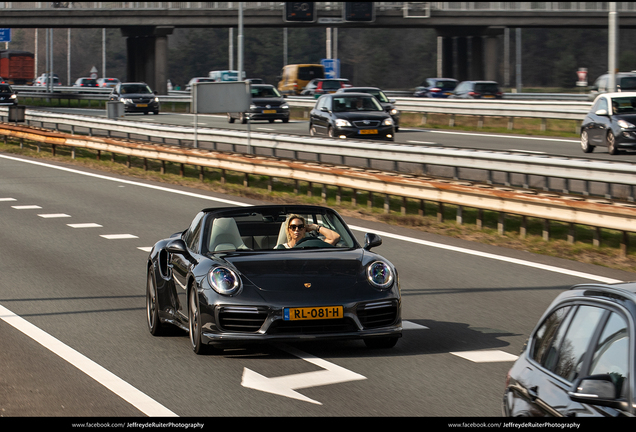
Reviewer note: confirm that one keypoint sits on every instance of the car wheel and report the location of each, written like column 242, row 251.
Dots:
column 152, row 309
column 312, row 130
column 230, row 119
column 194, row 323
column 611, row 143
column 146, row 112
column 242, row 118
column 286, row 120
column 155, row 112
column 271, row 120
column 585, row 143
column 381, row 343
column 330, row 132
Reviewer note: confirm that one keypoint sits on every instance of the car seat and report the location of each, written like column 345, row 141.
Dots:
column 225, row 236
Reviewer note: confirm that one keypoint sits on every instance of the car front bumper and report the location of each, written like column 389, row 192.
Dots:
column 266, row 114
column 383, row 133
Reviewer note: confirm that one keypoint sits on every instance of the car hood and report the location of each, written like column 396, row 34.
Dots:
column 362, row 115
column 631, row 118
column 326, row 270
column 268, row 101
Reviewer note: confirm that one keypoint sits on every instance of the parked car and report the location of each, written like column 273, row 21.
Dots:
column 225, row 281
column 322, row 86
column 85, row 82
column 107, row 82
column 387, row 104
column 611, row 123
column 625, row 81
column 197, row 80
column 436, row 88
column 476, row 90
column 8, row 96
column 267, row 104
column 350, row 115
column 579, row 359
column 137, row 97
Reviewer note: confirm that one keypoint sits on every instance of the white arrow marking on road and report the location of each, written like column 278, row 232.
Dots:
column 288, row 384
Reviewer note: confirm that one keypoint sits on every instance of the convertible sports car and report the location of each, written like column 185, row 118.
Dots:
column 224, row 281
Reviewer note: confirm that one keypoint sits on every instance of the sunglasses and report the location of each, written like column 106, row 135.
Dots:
column 296, row 227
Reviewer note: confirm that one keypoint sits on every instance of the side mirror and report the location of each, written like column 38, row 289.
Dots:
column 601, row 112
column 392, row 101
column 599, row 390
column 371, row 240
column 324, row 109
column 178, row 246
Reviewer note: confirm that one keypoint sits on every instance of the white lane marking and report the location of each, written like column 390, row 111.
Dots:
column 486, row 356
column 526, row 151
column 118, row 236
column 26, row 207
column 502, row 136
column 288, row 384
column 408, row 325
column 421, row 142
column 145, row 248
column 490, row 256
column 8, row 199
column 54, row 215
column 106, row 378
column 85, row 225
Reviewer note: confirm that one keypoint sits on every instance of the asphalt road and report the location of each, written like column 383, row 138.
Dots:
column 75, row 341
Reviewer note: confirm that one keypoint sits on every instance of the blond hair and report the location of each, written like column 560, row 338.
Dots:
column 288, row 221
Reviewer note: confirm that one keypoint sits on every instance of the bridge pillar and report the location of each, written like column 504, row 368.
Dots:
column 462, row 58
column 477, row 58
column 147, row 56
column 491, row 62
column 447, row 57
column 476, row 52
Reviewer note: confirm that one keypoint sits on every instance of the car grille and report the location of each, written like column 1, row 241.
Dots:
column 378, row 314
column 142, row 100
column 241, row 319
column 281, row 327
column 366, row 123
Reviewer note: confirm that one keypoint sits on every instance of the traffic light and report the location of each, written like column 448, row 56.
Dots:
column 299, row 12
column 359, row 11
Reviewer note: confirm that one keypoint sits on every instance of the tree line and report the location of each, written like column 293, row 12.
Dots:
column 390, row 58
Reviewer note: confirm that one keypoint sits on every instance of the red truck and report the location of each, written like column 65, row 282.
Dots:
column 17, row 67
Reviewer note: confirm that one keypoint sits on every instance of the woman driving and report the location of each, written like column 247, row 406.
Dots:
column 296, row 228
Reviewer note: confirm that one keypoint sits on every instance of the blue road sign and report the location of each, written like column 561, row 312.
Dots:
column 332, row 67
column 5, row 35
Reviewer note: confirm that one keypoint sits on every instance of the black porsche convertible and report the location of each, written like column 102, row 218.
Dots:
column 232, row 278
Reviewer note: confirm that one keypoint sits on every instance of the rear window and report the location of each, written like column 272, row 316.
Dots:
column 307, row 73
column 486, row 87
column 331, row 85
column 446, row 85
column 628, row 83
column 90, row 81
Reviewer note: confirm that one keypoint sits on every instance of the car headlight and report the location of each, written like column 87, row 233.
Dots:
column 224, row 280
column 342, row 123
column 380, row 274
column 387, row 122
column 253, row 107
column 126, row 100
column 625, row 125
column 156, row 99
column 13, row 96
column 285, row 106
column 394, row 111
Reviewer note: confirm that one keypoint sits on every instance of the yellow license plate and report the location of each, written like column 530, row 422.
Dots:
column 489, row 96
column 313, row 313
column 368, row 131
column 269, row 111
column 142, row 105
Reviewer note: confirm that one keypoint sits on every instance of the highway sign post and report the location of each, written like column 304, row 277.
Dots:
column 332, row 67
column 5, row 35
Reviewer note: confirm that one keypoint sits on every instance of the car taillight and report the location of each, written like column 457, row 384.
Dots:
column 473, row 93
column 436, row 90
column 499, row 94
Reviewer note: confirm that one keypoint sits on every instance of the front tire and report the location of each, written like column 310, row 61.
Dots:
column 152, row 308
column 242, row 118
column 230, row 119
column 611, row 143
column 585, row 143
column 194, row 323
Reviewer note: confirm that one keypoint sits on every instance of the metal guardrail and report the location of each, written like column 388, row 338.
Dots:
column 568, row 209
column 370, row 154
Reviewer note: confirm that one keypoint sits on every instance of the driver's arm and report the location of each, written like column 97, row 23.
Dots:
column 331, row 236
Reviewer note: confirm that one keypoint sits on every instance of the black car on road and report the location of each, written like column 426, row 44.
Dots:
column 387, row 104
column 476, row 90
column 136, row 97
column 579, row 360
column 267, row 104
column 350, row 115
column 8, row 96
column 611, row 123
column 228, row 279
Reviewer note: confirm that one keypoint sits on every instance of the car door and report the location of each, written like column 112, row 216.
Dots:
column 560, row 353
column 181, row 265
column 320, row 118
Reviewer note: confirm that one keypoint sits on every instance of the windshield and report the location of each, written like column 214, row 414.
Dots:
column 624, row 105
column 264, row 92
column 265, row 230
column 355, row 103
column 5, row 89
column 135, row 88
column 446, row 85
column 487, row 87
column 628, row 83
